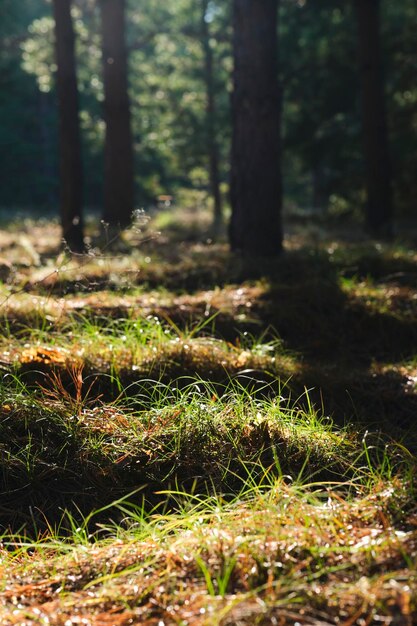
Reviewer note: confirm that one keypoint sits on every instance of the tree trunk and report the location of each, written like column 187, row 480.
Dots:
column 375, row 134
column 211, row 128
column 71, row 171
column 256, row 189
column 118, row 150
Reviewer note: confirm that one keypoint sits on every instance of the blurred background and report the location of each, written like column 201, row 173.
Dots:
column 168, row 44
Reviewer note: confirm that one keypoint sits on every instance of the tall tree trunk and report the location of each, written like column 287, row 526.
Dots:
column 211, row 127
column 374, row 121
column 118, row 150
column 256, row 189
column 71, row 170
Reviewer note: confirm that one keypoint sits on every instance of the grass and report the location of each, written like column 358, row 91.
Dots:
column 278, row 551
column 188, row 438
column 74, row 449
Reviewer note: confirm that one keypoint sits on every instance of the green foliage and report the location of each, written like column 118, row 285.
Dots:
column 323, row 164
column 321, row 112
column 27, row 116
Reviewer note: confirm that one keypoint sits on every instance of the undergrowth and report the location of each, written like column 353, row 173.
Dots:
column 233, row 447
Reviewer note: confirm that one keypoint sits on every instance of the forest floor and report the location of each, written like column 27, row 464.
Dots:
column 189, row 438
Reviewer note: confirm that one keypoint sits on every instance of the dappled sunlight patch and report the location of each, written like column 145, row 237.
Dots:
column 43, row 355
column 405, row 374
column 104, row 419
column 235, row 301
column 188, row 266
column 132, row 349
column 395, row 300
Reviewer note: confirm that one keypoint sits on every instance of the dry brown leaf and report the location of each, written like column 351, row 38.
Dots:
column 48, row 356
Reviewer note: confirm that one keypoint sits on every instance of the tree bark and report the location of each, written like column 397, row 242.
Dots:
column 211, row 129
column 118, row 150
column 71, row 170
column 256, row 188
column 374, row 120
